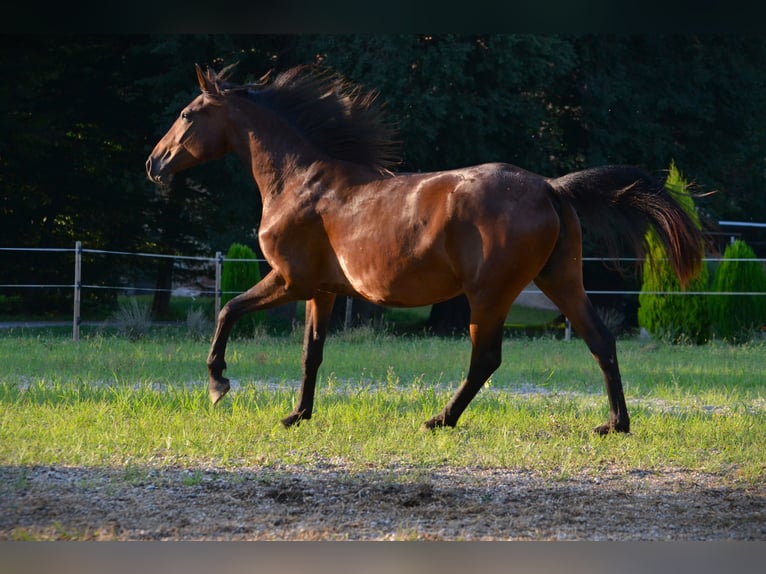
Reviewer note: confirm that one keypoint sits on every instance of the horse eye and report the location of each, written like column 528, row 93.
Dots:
column 186, row 115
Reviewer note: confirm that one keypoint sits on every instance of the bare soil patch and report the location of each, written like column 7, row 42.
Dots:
column 334, row 503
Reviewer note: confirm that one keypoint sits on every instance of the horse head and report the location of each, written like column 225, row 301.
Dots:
column 197, row 135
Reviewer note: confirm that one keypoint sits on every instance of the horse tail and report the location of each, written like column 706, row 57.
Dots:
column 623, row 202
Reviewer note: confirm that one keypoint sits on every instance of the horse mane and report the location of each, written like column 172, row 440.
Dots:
column 337, row 116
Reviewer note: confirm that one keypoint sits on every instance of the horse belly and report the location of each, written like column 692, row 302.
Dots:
column 400, row 281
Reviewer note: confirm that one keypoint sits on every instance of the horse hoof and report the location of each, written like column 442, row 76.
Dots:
column 294, row 419
column 437, row 422
column 434, row 423
column 218, row 388
column 608, row 428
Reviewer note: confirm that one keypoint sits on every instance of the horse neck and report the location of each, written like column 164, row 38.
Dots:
column 272, row 149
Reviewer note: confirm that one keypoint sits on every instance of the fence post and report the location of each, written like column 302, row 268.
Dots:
column 218, row 269
column 77, row 289
column 349, row 308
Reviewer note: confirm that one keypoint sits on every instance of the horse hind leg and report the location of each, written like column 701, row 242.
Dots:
column 569, row 295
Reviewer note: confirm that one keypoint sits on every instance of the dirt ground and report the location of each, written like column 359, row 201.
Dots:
column 334, row 503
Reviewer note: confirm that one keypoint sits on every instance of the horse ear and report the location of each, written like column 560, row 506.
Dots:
column 224, row 73
column 264, row 79
column 206, row 81
column 200, row 78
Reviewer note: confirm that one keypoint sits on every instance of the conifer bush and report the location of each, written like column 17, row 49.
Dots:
column 674, row 318
column 237, row 277
column 736, row 318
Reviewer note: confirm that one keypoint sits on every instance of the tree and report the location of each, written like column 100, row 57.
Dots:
column 736, row 318
column 460, row 99
column 83, row 112
column 644, row 99
column 67, row 165
column 673, row 317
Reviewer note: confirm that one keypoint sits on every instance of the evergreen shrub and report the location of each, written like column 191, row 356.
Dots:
column 237, row 277
column 673, row 318
column 737, row 318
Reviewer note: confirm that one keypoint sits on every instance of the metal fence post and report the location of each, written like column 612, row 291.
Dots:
column 77, row 290
column 218, row 270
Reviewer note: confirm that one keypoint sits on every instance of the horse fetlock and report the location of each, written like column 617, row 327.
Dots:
column 215, row 365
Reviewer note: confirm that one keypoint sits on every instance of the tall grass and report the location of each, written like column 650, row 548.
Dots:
column 111, row 401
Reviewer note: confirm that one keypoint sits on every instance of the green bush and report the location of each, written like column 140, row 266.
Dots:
column 133, row 317
column 737, row 317
column 674, row 318
column 237, row 277
column 198, row 324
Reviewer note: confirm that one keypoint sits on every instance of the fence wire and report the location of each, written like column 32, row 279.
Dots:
column 219, row 260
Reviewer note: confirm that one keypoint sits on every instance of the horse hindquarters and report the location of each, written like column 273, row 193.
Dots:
column 512, row 252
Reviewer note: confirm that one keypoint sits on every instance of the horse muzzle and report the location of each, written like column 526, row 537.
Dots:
column 156, row 173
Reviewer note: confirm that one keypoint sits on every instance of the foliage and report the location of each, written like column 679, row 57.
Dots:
column 613, row 319
column 133, row 318
column 675, row 318
column 240, row 273
column 737, row 317
column 84, row 111
column 10, row 305
column 198, row 325
column 463, row 99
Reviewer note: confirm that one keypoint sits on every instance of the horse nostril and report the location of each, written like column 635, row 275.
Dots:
column 149, row 166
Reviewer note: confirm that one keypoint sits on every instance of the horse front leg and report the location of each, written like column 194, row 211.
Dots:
column 267, row 293
column 318, row 311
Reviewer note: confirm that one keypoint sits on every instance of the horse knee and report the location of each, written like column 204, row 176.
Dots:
column 224, row 314
column 229, row 314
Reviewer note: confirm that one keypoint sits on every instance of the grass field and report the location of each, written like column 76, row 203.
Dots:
column 106, row 401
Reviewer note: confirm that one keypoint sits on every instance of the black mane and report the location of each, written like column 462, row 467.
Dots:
column 338, row 117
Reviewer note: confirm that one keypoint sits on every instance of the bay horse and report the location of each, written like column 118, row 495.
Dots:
column 337, row 221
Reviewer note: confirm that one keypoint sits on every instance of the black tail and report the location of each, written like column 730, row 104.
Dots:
column 624, row 201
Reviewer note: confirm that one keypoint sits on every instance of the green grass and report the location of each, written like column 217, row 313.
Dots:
column 106, row 401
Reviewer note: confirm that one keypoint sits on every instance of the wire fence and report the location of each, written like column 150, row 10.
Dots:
column 218, row 260
column 78, row 285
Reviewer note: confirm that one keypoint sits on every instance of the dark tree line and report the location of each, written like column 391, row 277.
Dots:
column 80, row 114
